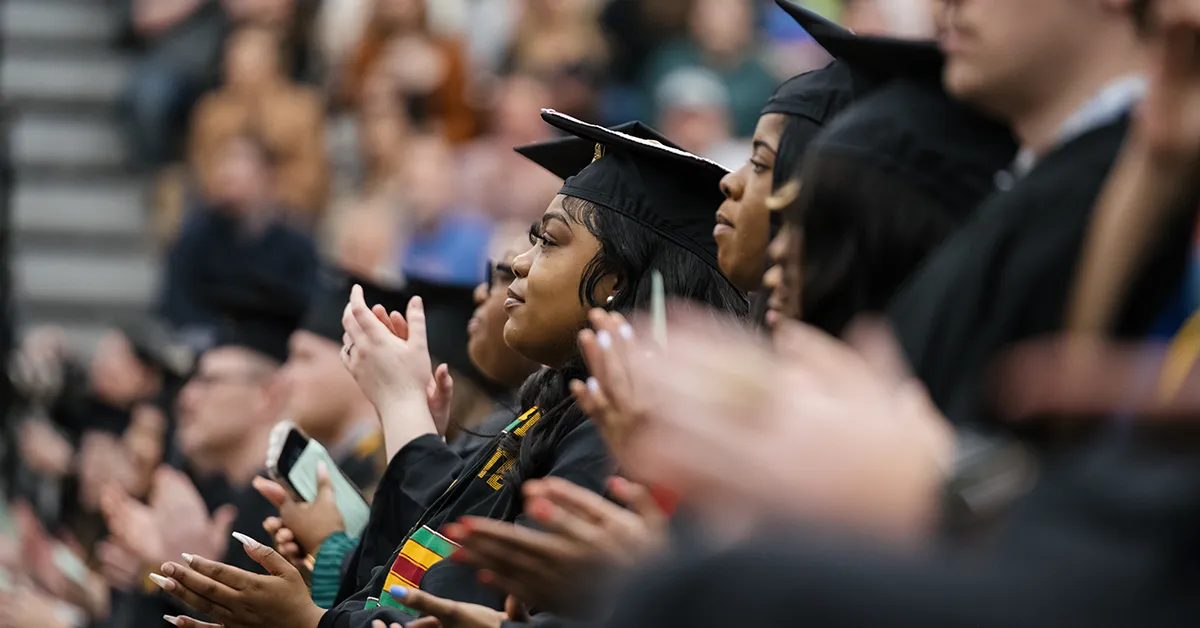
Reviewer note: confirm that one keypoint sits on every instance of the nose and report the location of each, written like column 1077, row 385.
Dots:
column 777, row 251
column 732, row 186
column 522, row 263
column 481, row 294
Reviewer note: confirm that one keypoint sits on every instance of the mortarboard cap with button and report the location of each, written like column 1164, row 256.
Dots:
column 564, row 157
column 654, row 183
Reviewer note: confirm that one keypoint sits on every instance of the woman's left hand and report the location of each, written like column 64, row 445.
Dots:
column 240, row 599
column 442, row 613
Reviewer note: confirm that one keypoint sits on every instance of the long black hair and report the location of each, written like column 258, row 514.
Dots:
column 630, row 252
column 864, row 231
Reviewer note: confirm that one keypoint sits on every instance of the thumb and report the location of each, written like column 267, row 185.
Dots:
column 324, row 483
column 222, row 520
column 425, row 603
column 272, row 491
column 515, row 609
column 445, row 383
column 272, row 561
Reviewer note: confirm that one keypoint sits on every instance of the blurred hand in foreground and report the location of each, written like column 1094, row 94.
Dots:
column 565, row 567
column 819, row 430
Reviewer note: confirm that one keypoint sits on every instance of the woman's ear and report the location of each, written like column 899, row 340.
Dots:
column 609, row 287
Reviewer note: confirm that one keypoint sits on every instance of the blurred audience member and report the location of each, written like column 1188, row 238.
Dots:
column 495, row 179
column 258, row 97
column 235, row 238
column 722, row 39
column 427, row 73
column 561, row 41
column 693, row 106
column 182, row 41
column 439, row 240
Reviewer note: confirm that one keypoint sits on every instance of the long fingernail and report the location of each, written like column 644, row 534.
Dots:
column 171, row 619
column 398, row 591
column 162, row 582
column 247, row 541
column 604, row 339
column 187, row 558
column 626, row 331
column 593, row 385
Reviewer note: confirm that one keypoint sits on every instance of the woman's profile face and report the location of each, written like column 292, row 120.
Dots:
column 785, row 275
column 743, row 228
column 544, row 311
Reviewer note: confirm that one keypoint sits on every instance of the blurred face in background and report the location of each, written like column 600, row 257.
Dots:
column 485, row 344
column 1007, row 55
column 227, row 397
column 320, row 392
column 380, row 135
column 395, row 15
column 519, row 102
column 118, row 377
column 243, row 180
column 275, row 13
column 252, row 59
column 427, row 177
column 722, row 27
column 743, row 221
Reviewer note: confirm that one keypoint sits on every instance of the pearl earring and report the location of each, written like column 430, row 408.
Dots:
column 610, row 300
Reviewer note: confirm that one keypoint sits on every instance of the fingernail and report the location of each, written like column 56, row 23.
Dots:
column 626, row 331
column 162, row 582
column 398, row 591
column 247, row 541
column 593, row 385
column 604, row 339
column 171, row 619
column 187, row 558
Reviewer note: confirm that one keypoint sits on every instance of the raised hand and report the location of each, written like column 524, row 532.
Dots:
column 182, row 517
column 393, row 372
column 609, row 397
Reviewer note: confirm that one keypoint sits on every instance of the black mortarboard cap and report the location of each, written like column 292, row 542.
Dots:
column 261, row 320
column 861, row 63
column 155, row 344
column 564, row 157
column 657, row 185
column 880, row 58
column 915, row 131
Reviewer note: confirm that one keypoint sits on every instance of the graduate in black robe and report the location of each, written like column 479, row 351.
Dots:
column 634, row 208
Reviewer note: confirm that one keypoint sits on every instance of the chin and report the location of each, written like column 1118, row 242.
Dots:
column 962, row 81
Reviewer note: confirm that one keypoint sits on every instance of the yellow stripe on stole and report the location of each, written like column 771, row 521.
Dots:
column 1181, row 357
column 419, row 554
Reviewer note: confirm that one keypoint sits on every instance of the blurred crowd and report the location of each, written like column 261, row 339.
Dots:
column 893, row 397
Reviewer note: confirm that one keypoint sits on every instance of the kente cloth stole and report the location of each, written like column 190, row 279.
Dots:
column 424, row 547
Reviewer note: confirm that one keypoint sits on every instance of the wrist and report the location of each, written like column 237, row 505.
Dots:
column 404, row 421
column 312, row 615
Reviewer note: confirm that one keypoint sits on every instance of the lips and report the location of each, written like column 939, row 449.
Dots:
column 723, row 226
column 513, row 300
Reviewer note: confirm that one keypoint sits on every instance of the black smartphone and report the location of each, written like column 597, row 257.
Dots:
column 292, row 460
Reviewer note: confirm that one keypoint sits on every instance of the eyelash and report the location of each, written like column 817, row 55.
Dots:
column 537, row 236
column 759, row 168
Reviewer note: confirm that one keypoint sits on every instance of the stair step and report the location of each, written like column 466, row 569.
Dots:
column 64, row 142
column 59, row 20
column 77, row 279
column 109, row 208
column 71, row 77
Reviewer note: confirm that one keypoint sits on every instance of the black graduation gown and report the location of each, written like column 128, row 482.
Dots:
column 417, row 476
column 1007, row 275
column 1106, row 539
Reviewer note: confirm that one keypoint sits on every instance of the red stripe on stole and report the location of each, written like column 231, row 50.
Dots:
column 407, row 569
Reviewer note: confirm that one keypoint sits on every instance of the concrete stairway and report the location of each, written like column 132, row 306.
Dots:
column 81, row 250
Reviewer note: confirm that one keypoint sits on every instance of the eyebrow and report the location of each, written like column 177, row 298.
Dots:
column 559, row 217
column 763, row 145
